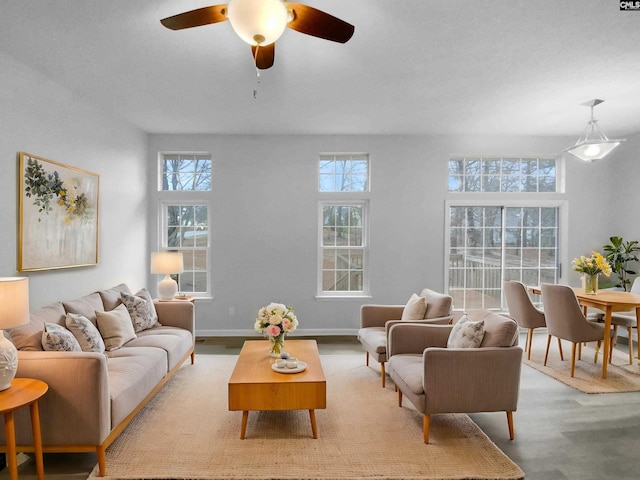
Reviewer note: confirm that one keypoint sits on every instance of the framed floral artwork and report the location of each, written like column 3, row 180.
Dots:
column 58, row 215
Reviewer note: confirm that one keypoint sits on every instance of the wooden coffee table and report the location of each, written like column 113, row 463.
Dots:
column 255, row 386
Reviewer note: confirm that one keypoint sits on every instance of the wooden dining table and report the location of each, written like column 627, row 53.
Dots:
column 608, row 301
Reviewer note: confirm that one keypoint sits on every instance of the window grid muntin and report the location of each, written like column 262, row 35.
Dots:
column 185, row 172
column 503, row 263
column 343, row 173
column 502, row 174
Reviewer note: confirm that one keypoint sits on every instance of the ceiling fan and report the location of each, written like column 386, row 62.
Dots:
column 261, row 22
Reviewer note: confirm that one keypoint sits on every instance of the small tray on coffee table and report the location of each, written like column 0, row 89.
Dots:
column 300, row 368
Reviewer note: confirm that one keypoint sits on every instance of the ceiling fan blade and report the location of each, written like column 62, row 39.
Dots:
column 319, row 24
column 197, row 18
column 264, row 55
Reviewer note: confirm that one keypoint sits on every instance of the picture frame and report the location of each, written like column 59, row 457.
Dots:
column 58, row 225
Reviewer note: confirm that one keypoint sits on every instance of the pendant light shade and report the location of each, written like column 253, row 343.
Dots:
column 258, row 22
column 593, row 144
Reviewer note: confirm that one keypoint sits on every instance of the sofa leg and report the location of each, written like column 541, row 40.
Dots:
column 384, row 375
column 510, row 424
column 426, row 423
column 193, row 357
column 102, row 460
column 367, row 359
column 399, row 397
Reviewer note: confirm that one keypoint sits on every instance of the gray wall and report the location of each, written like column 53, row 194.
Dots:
column 264, row 218
column 264, row 205
column 39, row 117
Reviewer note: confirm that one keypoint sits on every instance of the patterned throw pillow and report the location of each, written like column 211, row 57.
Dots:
column 115, row 327
column 466, row 334
column 56, row 338
column 85, row 332
column 141, row 309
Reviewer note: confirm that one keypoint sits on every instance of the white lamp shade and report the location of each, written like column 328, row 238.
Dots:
column 590, row 151
column 14, row 302
column 258, row 22
column 167, row 262
column 14, row 311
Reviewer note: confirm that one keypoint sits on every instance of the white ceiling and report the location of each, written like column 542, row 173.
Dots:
column 412, row 67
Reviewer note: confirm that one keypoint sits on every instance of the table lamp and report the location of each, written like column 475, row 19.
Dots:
column 14, row 311
column 167, row 263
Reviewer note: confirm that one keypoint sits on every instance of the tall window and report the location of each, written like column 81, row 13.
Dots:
column 184, row 216
column 343, row 183
column 511, row 237
column 490, row 244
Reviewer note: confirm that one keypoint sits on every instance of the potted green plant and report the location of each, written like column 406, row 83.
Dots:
column 619, row 254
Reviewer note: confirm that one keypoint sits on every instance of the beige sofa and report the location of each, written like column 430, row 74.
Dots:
column 93, row 396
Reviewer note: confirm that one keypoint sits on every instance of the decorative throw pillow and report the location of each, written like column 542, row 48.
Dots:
column 115, row 327
column 56, row 338
column 415, row 308
column 85, row 332
column 466, row 334
column 141, row 310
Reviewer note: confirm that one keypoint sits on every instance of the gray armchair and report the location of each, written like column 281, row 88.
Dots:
column 375, row 321
column 437, row 379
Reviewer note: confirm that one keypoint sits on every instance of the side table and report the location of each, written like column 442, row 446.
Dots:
column 22, row 392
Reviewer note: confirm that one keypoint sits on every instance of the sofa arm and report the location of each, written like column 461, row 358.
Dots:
column 407, row 337
column 76, row 410
column 377, row 315
column 177, row 313
column 460, row 380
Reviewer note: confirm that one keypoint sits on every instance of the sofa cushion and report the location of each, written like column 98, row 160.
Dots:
column 85, row 332
column 415, row 308
column 141, row 310
column 176, row 342
column 86, row 306
column 409, row 367
column 375, row 337
column 111, row 298
column 56, row 338
column 115, row 327
column 29, row 336
column 133, row 373
column 466, row 334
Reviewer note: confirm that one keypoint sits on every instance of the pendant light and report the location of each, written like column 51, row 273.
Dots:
column 593, row 144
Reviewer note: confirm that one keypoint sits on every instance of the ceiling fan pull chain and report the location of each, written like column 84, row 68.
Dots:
column 255, row 58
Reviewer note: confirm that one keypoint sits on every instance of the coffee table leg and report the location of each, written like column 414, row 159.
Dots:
column 314, row 426
column 243, row 428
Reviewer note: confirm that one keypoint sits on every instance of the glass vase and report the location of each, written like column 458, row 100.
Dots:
column 590, row 284
column 276, row 345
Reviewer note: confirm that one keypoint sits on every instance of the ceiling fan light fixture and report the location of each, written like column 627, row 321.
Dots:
column 258, row 22
column 593, row 144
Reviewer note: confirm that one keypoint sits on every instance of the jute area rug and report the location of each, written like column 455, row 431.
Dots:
column 187, row 432
column 621, row 377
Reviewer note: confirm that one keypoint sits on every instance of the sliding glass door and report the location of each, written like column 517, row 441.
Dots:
column 492, row 243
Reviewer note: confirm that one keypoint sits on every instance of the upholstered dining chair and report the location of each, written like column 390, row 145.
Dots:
column 566, row 320
column 375, row 321
column 523, row 311
column 626, row 320
column 440, row 371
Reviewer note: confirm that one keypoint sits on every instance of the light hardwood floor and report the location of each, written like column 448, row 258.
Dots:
column 560, row 433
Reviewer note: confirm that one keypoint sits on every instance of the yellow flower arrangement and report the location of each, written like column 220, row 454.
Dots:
column 593, row 265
